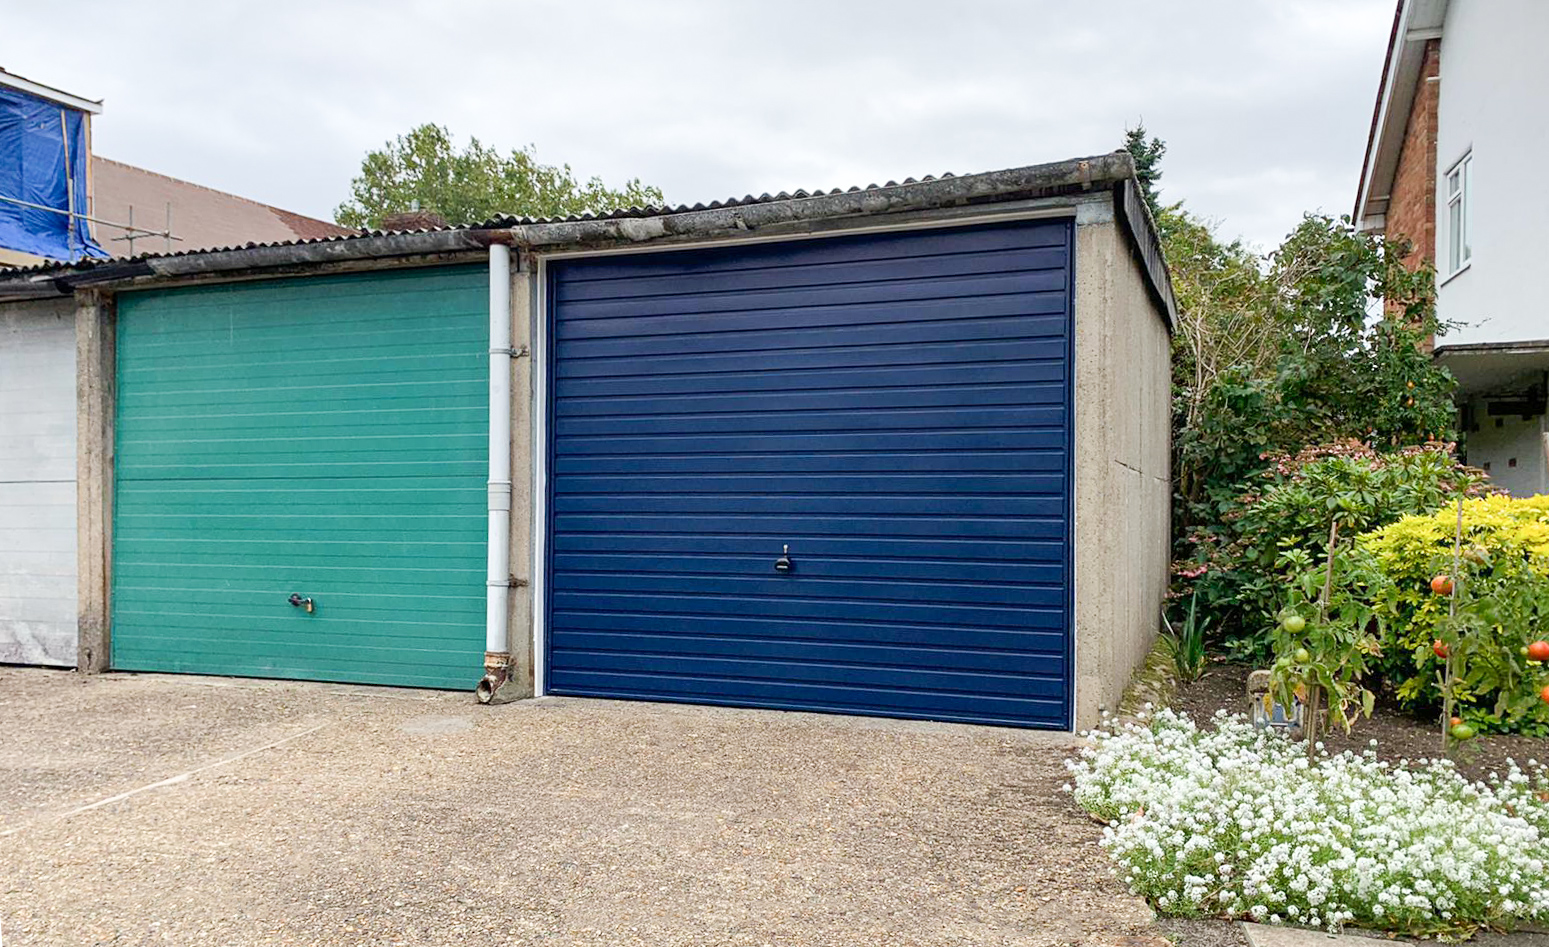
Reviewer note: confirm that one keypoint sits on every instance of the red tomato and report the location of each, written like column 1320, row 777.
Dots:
column 1441, row 585
column 1538, row 651
column 1543, row 695
column 1454, row 721
column 1440, row 647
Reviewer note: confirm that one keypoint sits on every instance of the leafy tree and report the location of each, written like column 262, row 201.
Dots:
column 425, row 170
column 1225, row 330
column 1148, row 161
column 1319, row 342
column 1303, row 360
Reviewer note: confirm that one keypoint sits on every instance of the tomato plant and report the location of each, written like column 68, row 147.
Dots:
column 1336, row 633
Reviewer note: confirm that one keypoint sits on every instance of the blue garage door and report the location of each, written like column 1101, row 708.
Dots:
column 893, row 409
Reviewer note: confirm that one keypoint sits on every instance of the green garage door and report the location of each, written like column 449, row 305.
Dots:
column 322, row 438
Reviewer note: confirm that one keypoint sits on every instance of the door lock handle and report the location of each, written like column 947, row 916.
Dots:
column 784, row 564
column 297, row 601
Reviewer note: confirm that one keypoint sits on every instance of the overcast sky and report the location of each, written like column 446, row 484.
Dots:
column 1264, row 104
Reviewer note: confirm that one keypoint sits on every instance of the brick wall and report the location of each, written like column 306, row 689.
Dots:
column 1412, row 205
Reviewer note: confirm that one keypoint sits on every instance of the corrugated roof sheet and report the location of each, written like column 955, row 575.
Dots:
column 493, row 223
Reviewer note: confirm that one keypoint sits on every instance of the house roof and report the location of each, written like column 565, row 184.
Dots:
column 1415, row 22
column 201, row 217
column 634, row 226
column 51, row 94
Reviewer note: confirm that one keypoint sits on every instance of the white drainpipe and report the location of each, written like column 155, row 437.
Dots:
column 497, row 649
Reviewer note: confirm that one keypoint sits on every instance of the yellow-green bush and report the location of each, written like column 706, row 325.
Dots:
column 1520, row 525
column 1503, row 604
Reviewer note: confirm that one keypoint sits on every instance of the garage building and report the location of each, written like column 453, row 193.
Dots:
column 900, row 450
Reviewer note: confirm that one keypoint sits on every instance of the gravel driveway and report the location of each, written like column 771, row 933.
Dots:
column 317, row 814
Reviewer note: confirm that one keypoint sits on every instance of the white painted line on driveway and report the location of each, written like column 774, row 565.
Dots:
column 169, row 781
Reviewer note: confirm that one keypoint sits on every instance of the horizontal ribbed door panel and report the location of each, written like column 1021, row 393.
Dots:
column 324, row 437
column 894, row 407
column 37, row 483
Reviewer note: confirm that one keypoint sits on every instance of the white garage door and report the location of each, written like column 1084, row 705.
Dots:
column 37, row 482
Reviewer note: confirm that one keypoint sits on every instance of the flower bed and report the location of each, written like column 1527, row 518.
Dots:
column 1237, row 822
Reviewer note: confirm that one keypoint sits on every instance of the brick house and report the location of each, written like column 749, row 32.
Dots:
column 1458, row 117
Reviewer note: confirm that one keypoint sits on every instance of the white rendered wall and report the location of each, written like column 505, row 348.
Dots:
column 37, row 482
column 1494, row 90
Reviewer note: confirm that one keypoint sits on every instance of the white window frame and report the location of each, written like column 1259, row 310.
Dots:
column 1457, row 186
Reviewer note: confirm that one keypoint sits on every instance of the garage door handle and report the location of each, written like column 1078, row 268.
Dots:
column 297, row 601
column 783, row 564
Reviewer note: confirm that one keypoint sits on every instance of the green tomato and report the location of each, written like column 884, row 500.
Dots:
column 1301, row 656
column 1462, row 732
column 1293, row 623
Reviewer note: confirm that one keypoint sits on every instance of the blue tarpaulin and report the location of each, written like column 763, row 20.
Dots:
column 43, row 161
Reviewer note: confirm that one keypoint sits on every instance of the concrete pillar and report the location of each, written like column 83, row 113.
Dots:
column 96, row 404
column 521, row 607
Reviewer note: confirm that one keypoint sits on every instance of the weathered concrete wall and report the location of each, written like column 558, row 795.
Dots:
column 37, row 482
column 1122, row 467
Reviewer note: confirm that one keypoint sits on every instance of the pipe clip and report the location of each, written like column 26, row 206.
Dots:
column 519, row 352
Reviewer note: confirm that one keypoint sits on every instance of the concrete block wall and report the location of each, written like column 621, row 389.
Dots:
column 1122, row 468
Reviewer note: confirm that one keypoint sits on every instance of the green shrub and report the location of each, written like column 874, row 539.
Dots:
column 1503, row 604
column 1240, row 573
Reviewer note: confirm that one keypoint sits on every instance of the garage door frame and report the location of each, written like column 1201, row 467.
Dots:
column 543, row 349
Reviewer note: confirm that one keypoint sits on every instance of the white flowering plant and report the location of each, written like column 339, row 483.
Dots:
column 1239, row 822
